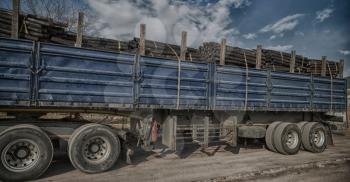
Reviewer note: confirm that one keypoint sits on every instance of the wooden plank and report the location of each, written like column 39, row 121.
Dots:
column 258, row 56
column 183, row 48
column 222, row 51
column 142, row 39
column 341, row 68
column 292, row 62
column 80, row 28
column 15, row 18
column 323, row 66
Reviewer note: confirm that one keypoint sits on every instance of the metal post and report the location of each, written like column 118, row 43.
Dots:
column 194, row 132
column 80, row 29
column 222, row 51
column 15, row 18
column 234, row 135
column 174, row 132
column 206, row 132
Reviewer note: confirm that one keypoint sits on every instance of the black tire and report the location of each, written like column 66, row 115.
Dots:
column 269, row 135
column 287, row 138
column 301, row 125
column 309, row 140
column 104, row 141
column 35, row 146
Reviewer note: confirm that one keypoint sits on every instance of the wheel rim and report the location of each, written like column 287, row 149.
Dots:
column 96, row 149
column 292, row 139
column 319, row 138
column 20, row 155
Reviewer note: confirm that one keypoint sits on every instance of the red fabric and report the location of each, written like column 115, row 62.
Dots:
column 154, row 131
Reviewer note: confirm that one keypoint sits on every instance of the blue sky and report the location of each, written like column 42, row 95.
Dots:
column 322, row 25
column 313, row 28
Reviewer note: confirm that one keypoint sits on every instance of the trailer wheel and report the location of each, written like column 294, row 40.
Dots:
column 314, row 137
column 26, row 153
column 287, row 138
column 93, row 148
column 301, row 125
column 269, row 135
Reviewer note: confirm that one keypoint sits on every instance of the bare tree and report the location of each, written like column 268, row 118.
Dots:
column 62, row 10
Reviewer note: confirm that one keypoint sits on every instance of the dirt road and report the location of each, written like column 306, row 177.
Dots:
column 221, row 164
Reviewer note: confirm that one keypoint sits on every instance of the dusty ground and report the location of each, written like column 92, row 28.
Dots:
column 221, row 164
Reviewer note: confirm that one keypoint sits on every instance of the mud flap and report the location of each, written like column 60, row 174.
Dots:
column 169, row 132
column 329, row 135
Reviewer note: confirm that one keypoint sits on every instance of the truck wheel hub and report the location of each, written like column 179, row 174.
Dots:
column 20, row 155
column 96, row 149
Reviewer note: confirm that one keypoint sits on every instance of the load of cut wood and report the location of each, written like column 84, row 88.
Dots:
column 270, row 59
column 42, row 29
column 69, row 39
column 280, row 61
column 46, row 30
column 31, row 27
column 160, row 49
column 210, row 51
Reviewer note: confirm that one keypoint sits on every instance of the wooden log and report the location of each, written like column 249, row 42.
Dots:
column 292, row 62
column 324, row 64
column 183, row 47
column 341, row 68
column 142, row 39
column 15, row 18
column 222, row 51
column 258, row 56
column 80, row 27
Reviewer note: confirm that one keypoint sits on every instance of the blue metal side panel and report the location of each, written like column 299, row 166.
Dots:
column 231, row 88
column 194, row 85
column 329, row 94
column 290, row 91
column 54, row 75
column 159, row 84
column 16, row 60
column 276, row 91
column 84, row 78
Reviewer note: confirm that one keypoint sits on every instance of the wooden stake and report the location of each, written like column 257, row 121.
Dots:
column 222, row 51
column 80, row 29
column 183, row 47
column 142, row 44
column 323, row 68
column 341, row 68
column 258, row 56
column 292, row 62
column 15, row 18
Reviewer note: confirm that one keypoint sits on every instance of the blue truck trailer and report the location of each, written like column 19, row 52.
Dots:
column 181, row 100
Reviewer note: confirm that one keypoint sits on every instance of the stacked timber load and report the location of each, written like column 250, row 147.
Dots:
column 31, row 27
column 233, row 55
column 69, row 38
column 160, row 49
column 107, row 44
column 280, row 61
column 41, row 29
column 332, row 68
